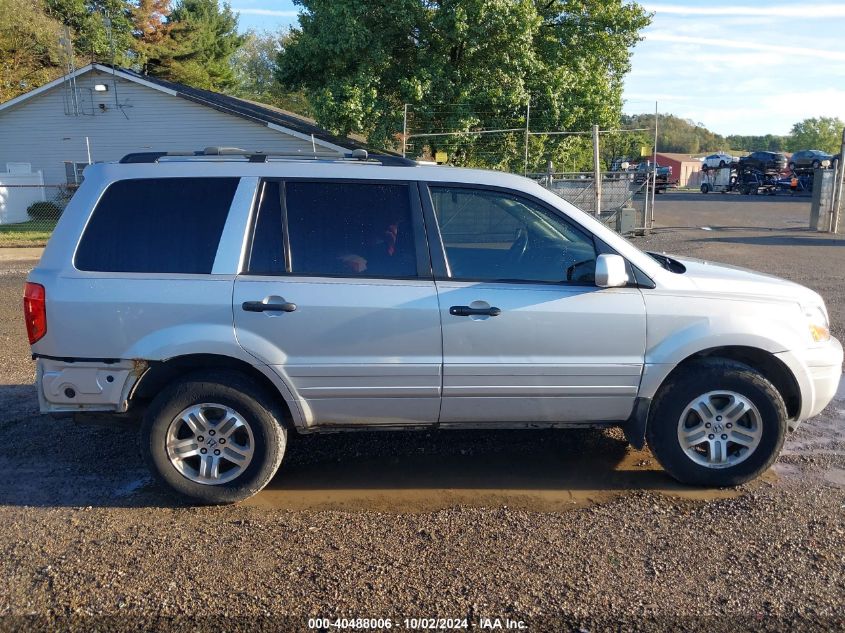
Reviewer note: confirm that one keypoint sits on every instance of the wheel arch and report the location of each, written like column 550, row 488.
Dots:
column 160, row 373
column 768, row 364
column 763, row 361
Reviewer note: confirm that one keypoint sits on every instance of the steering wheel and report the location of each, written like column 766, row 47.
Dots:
column 519, row 247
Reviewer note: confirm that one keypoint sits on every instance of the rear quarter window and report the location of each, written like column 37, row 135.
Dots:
column 157, row 225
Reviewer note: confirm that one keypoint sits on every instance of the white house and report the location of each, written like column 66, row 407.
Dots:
column 101, row 114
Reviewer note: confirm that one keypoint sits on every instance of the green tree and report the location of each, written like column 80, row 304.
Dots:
column 255, row 66
column 624, row 146
column 767, row 142
column 465, row 65
column 675, row 134
column 824, row 133
column 30, row 53
column 203, row 36
column 98, row 27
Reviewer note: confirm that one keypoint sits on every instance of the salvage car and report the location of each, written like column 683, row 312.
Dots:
column 768, row 162
column 717, row 160
column 232, row 300
column 809, row 159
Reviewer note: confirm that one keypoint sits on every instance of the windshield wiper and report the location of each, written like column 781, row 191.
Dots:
column 670, row 264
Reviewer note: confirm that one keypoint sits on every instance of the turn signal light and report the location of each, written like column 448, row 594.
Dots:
column 819, row 333
column 35, row 311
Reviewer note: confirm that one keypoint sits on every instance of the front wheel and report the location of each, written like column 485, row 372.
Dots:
column 717, row 423
column 214, row 438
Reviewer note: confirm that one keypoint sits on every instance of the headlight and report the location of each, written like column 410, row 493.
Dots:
column 818, row 323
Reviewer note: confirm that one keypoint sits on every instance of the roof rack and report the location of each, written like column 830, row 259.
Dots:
column 357, row 155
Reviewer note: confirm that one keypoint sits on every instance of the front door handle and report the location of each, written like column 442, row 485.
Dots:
column 467, row 311
column 260, row 306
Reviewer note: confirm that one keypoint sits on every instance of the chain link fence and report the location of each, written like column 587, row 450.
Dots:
column 29, row 212
column 624, row 197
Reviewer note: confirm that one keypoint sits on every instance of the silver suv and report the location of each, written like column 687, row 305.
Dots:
column 234, row 299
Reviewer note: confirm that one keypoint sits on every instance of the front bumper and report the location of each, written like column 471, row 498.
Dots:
column 818, row 371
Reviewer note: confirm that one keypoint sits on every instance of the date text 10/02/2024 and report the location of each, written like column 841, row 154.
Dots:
column 482, row 623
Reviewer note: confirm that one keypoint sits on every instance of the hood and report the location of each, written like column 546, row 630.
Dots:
column 726, row 279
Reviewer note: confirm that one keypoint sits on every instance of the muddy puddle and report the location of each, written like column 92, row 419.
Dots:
column 407, row 472
column 821, row 442
column 546, row 471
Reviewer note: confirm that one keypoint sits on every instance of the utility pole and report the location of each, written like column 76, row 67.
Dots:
column 597, row 169
column 405, row 130
column 108, row 24
column 527, row 119
column 838, row 184
column 654, row 168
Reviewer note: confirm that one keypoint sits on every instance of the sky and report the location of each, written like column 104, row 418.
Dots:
column 735, row 66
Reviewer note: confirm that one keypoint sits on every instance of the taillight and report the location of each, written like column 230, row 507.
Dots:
column 35, row 311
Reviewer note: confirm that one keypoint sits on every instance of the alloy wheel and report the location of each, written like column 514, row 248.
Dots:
column 720, row 429
column 210, row 443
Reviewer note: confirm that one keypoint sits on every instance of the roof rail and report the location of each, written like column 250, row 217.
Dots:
column 358, row 155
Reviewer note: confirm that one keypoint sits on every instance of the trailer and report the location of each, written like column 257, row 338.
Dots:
column 740, row 178
column 751, row 180
column 718, row 179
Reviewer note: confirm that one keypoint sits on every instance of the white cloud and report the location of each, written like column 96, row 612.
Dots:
column 797, row 10
column 746, row 45
column 268, row 12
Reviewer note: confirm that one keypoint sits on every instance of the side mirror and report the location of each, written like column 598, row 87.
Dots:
column 611, row 271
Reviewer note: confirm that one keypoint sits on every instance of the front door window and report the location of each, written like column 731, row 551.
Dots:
column 494, row 236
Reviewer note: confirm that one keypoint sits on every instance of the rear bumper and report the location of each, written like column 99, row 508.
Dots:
column 818, row 371
column 85, row 385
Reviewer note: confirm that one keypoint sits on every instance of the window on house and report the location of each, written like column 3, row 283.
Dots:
column 73, row 172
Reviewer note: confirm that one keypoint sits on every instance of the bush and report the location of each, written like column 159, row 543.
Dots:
column 44, row 211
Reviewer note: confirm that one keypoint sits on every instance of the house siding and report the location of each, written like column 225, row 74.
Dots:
column 38, row 131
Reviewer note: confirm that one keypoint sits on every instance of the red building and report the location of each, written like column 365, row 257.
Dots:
column 686, row 169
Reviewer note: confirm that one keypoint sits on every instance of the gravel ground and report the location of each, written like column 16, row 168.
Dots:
column 562, row 530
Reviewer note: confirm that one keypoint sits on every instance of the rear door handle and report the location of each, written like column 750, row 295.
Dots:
column 260, row 306
column 467, row 311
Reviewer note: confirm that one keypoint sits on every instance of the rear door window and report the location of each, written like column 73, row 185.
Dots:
column 336, row 229
column 157, row 225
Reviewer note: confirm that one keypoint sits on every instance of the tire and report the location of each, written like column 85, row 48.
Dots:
column 721, row 163
column 248, row 416
column 705, row 188
column 693, row 383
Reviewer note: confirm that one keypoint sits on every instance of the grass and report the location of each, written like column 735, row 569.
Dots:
column 32, row 233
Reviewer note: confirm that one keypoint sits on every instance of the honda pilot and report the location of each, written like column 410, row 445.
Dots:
column 232, row 300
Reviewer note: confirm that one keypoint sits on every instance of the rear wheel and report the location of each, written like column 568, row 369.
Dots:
column 214, row 438
column 717, row 423
column 705, row 188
